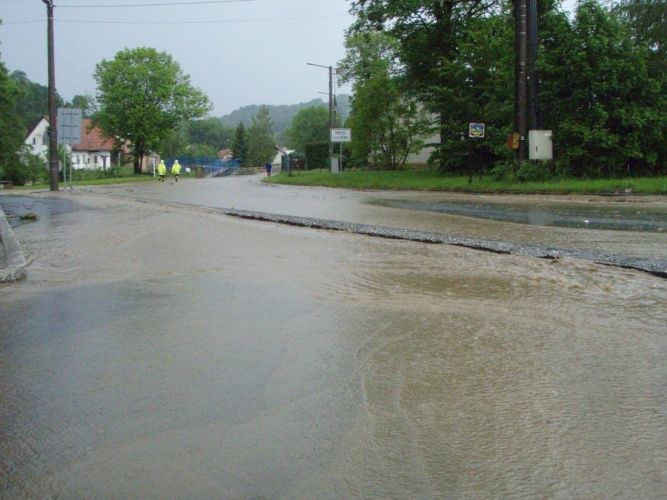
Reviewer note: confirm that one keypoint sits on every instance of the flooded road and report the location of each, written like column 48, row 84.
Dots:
column 159, row 352
column 382, row 208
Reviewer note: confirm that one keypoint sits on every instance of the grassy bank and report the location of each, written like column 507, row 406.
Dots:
column 432, row 180
column 95, row 181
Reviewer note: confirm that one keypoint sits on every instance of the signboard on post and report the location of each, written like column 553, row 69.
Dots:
column 341, row 135
column 69, row 125
column 476, row 130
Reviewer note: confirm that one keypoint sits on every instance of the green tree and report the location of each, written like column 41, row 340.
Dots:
column 210, row 131
column 142, row 94
column 85, row 103
column 175, row 142
column 240, row 144
column 33, row 99
column 599, row 97
column 33, row 167
column 261, row 145
column 12, row 135
column 387, row 123
column 202, row 151
column 309, row 125
column 429, row 35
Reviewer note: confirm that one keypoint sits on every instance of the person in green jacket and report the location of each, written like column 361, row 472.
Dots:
column 161, row 171
column 176, row 170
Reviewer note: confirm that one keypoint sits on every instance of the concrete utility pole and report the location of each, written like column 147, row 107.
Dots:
column 521, row 94
column 525, row 52
column 331, row 105
column 53, row 139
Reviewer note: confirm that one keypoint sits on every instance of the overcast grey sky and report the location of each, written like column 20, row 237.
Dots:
column 238, row 52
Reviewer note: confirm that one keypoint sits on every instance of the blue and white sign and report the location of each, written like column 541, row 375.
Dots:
column 477, row 130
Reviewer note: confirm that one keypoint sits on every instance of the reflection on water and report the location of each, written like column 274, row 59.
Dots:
column 589, row 217
column 175, row 357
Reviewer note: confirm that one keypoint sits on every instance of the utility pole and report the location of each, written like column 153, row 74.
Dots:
column 331, row 106
column 533, row 102
column 53, row 128
column 526, row 105
column 521, row 74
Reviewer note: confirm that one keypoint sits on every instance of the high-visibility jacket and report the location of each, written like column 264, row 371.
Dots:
column 176, row 169
column 161, row 168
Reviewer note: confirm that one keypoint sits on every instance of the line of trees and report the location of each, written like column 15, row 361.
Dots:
column 602, row 79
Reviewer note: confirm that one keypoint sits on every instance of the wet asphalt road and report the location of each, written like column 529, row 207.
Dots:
column 160, row 349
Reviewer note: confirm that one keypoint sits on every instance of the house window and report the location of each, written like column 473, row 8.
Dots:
column 45, row 139
column 34, row 141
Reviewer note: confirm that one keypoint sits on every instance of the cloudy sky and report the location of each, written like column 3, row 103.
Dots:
column 238, row 52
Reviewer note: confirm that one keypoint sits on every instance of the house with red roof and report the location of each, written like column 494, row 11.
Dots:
column 95, row 150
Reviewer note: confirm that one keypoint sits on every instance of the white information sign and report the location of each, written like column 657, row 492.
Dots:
column 341, row 135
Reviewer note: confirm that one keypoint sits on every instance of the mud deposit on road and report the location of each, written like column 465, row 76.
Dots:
column 162, row 353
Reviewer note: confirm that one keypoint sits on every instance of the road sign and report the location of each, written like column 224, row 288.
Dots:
column 341, row 135
column 69, row 125
column 477, row 130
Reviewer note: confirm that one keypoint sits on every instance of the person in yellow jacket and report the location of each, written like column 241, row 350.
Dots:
column 161, row 171
column 176, row 170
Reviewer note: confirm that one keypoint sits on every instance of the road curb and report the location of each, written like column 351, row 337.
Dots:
column 14, row 268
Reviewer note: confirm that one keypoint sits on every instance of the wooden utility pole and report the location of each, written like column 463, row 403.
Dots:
column 53, row 126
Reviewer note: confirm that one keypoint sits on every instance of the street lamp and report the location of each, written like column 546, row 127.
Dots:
column 331, row 107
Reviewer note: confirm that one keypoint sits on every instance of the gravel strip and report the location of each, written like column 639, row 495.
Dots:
column 652, row 266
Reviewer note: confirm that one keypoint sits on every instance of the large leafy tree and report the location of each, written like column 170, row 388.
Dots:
column 387, row 123
column 261, row 145
column 142, row 95
column 12, row 130
column 599, row 97
column 429, row 33
column 308, row 126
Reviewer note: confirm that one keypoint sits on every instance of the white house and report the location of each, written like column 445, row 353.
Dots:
column 38, row 138
column 94, row 151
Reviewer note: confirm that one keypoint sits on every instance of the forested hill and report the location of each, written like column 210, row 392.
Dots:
column 282, row 115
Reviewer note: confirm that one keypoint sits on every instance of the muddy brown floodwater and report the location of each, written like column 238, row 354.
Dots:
column 159, row 352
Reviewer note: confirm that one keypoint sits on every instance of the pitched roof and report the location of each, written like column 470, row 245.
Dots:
column 33, row 126
column 92, row 138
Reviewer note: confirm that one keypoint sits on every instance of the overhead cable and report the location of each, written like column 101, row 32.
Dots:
column 153, row 4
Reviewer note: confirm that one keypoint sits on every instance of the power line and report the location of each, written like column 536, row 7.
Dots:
column 155, row 4
column 219, row 21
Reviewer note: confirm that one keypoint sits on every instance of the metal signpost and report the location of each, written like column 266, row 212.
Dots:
column 340, row 135
column 69, row 132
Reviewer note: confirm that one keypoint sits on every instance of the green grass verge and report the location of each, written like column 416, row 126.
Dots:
column 432, row 180
column 95, row 182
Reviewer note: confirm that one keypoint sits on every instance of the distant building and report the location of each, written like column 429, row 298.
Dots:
column 95, row 150
column 225, row 154
column 38, row 138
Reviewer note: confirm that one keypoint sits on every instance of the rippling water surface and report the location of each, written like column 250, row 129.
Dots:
column 154, row 352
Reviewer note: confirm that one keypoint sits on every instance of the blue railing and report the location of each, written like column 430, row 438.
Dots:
column 211, row 166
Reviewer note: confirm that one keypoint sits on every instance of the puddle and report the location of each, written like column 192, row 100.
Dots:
column 25, row 209
column 614, row 218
